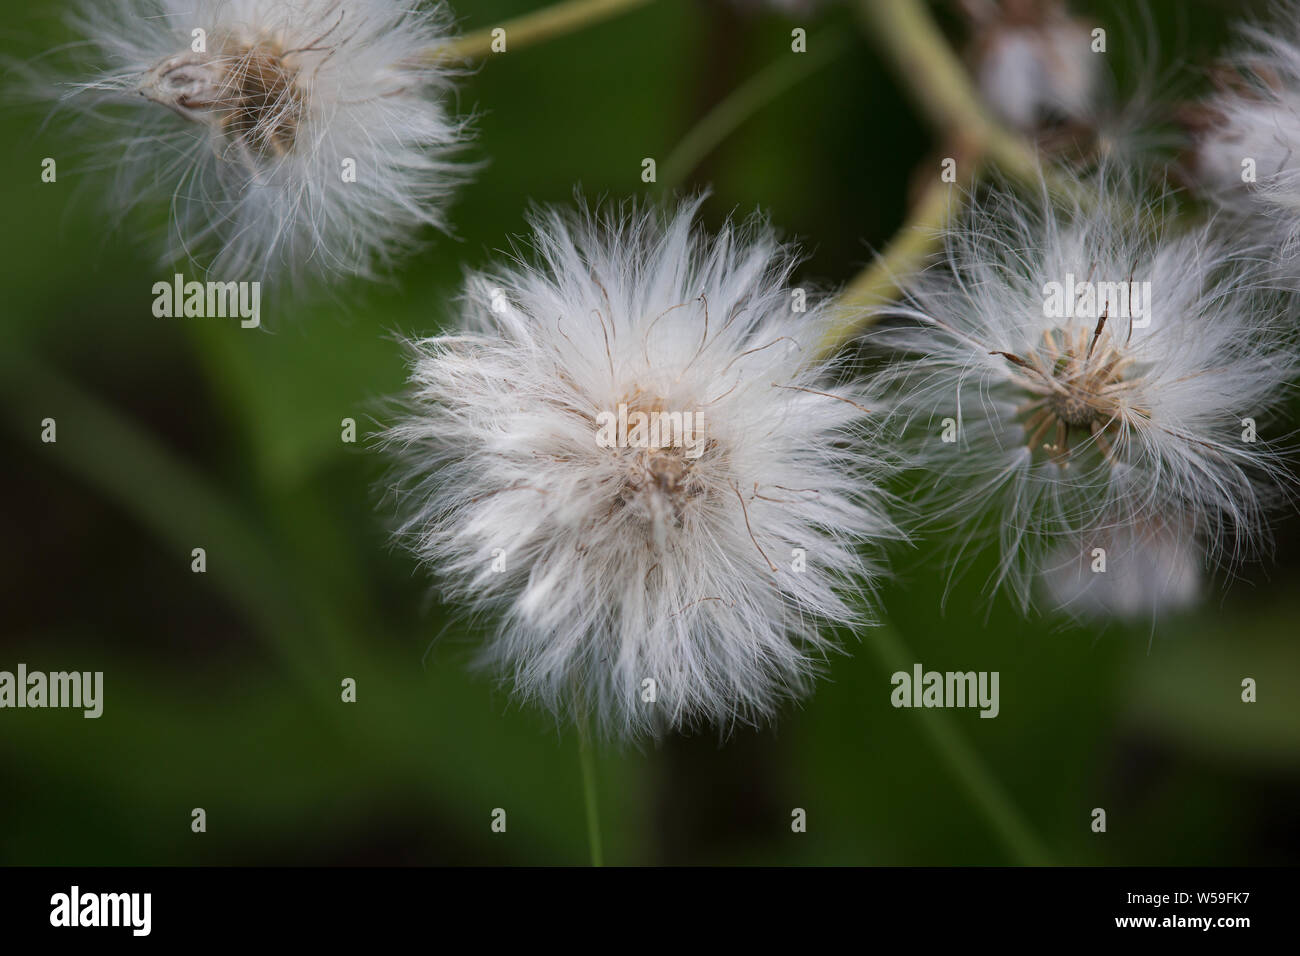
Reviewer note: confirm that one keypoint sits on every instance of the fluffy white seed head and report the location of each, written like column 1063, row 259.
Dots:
column 1034, row 62
column 289, row 136
column 1245, row 153
column 1068, row 373
column 658, row 585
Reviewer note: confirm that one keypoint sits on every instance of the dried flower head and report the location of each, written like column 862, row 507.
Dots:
column 1245, row 136
column 631, row 454
column 289, row 135
column 1047, row 73
column 1034, row 62
column 1065, row 373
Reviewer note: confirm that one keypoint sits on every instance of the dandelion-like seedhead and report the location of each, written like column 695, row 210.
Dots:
column 1064, row 374
column 1245, row 153
column 657, row 586
column 1033, row 62
column 1047, row 74
column 290, row 136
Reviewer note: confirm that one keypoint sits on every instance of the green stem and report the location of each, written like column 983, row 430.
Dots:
column 906, row 253
column 964, row 762
column 743, row 102
column 936, row 79
column 586, row 758
column 531, row 28
column 926, row 65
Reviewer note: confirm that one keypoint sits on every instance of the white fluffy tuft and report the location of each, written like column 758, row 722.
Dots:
column 1034, row 67
column 248, row 138
column 624, row 565
column 1246, row 135
column 1066, row 432
column 1126, row 572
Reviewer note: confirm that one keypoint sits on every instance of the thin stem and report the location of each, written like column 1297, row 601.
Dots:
column 531, row 28
column 906, row 253
column 936, row 79
column 743, row 102
column 964, row 762
column 911, row 40
column 586, row 759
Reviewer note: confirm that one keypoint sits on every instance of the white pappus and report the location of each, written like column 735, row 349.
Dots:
column 654, row 586
column 1126, row 571
column 1245, row 136
column 1033, row 61
column 290, row 137
column 1069, row 375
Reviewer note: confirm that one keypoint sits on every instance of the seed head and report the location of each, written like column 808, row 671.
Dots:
column 655, row 584
column 1066, row 372
column 290, row 137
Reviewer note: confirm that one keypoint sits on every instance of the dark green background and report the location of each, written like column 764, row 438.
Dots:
column 222, row 689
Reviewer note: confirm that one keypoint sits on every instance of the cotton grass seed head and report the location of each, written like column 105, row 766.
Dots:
column 630, row 454
column 288, row 136
column 1065, row 373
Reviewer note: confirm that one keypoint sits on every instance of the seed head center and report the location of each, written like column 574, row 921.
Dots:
column 1076, row 380
column 249, row 92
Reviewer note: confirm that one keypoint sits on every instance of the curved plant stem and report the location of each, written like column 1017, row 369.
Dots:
column 743, row 102
column 964, row 762
column 910, row 39
column 936, row 79
column 586, row 759
column 906, row 253
column 531, row 28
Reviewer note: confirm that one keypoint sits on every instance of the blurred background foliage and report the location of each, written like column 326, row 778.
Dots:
column 222, row 689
